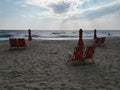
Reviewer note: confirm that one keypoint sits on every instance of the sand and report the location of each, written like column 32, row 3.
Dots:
column 43, row 65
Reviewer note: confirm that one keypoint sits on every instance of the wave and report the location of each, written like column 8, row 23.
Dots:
column 6, row 35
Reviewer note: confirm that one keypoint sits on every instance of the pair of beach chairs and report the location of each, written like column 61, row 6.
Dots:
column 100, row 41
column 17, row 42
column 82, row 53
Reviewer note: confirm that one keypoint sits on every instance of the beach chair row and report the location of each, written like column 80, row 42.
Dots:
column 17, row 42
column 81, row 52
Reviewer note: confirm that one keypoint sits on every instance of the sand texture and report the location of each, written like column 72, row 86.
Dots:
column 43, row 65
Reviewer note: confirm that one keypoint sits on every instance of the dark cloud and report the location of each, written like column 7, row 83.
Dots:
column 61, row 7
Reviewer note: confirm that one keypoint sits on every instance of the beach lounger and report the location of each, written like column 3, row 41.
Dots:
column 17, row 42
column 97, row 41
column 22, row 42
column 103, row 40
column 100, row 41
column 13, row 42
column 89, row 53
column 78, row 52
column 81, row 54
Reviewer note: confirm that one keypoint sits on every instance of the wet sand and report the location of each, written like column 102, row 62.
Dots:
column 43, row 65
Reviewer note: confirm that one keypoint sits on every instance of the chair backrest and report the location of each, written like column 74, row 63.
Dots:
column 13, row 42
column 97, row 40
column 78, row 52
column 78, row 49
column 89, row 52
column 22, row 42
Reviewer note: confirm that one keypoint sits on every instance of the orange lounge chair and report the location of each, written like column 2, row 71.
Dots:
column 100, row 41
column 89, row 53
column 22, row 42
column 13, row 42
column 103, row 40
column 97, row 41
column 78, row 52
column 81, row 54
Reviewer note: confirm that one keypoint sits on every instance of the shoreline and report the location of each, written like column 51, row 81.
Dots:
column 62, row 39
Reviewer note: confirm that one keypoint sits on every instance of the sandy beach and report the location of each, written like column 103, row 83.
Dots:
column 43, row 65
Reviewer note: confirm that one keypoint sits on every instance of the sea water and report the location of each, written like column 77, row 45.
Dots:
column 57, row 34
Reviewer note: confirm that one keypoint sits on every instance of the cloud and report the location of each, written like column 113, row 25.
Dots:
column 61, row 7
column 107, row 22
column 56, row 7
column 65, row 14
column 28, row 16
column 70, row 9
column 96, row 12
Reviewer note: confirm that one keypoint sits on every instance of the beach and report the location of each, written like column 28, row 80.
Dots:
column 43, row 65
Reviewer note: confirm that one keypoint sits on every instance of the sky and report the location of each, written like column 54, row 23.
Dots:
column 60, row 14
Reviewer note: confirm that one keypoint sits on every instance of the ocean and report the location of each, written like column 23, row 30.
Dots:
column 56, row 34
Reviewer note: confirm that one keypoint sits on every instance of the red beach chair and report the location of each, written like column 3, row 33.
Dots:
column 83, row 54
column 78, row 52
column 22, row 42
column 103, row 40
column 89, row 53
column 97, row 41
column 13, row 42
